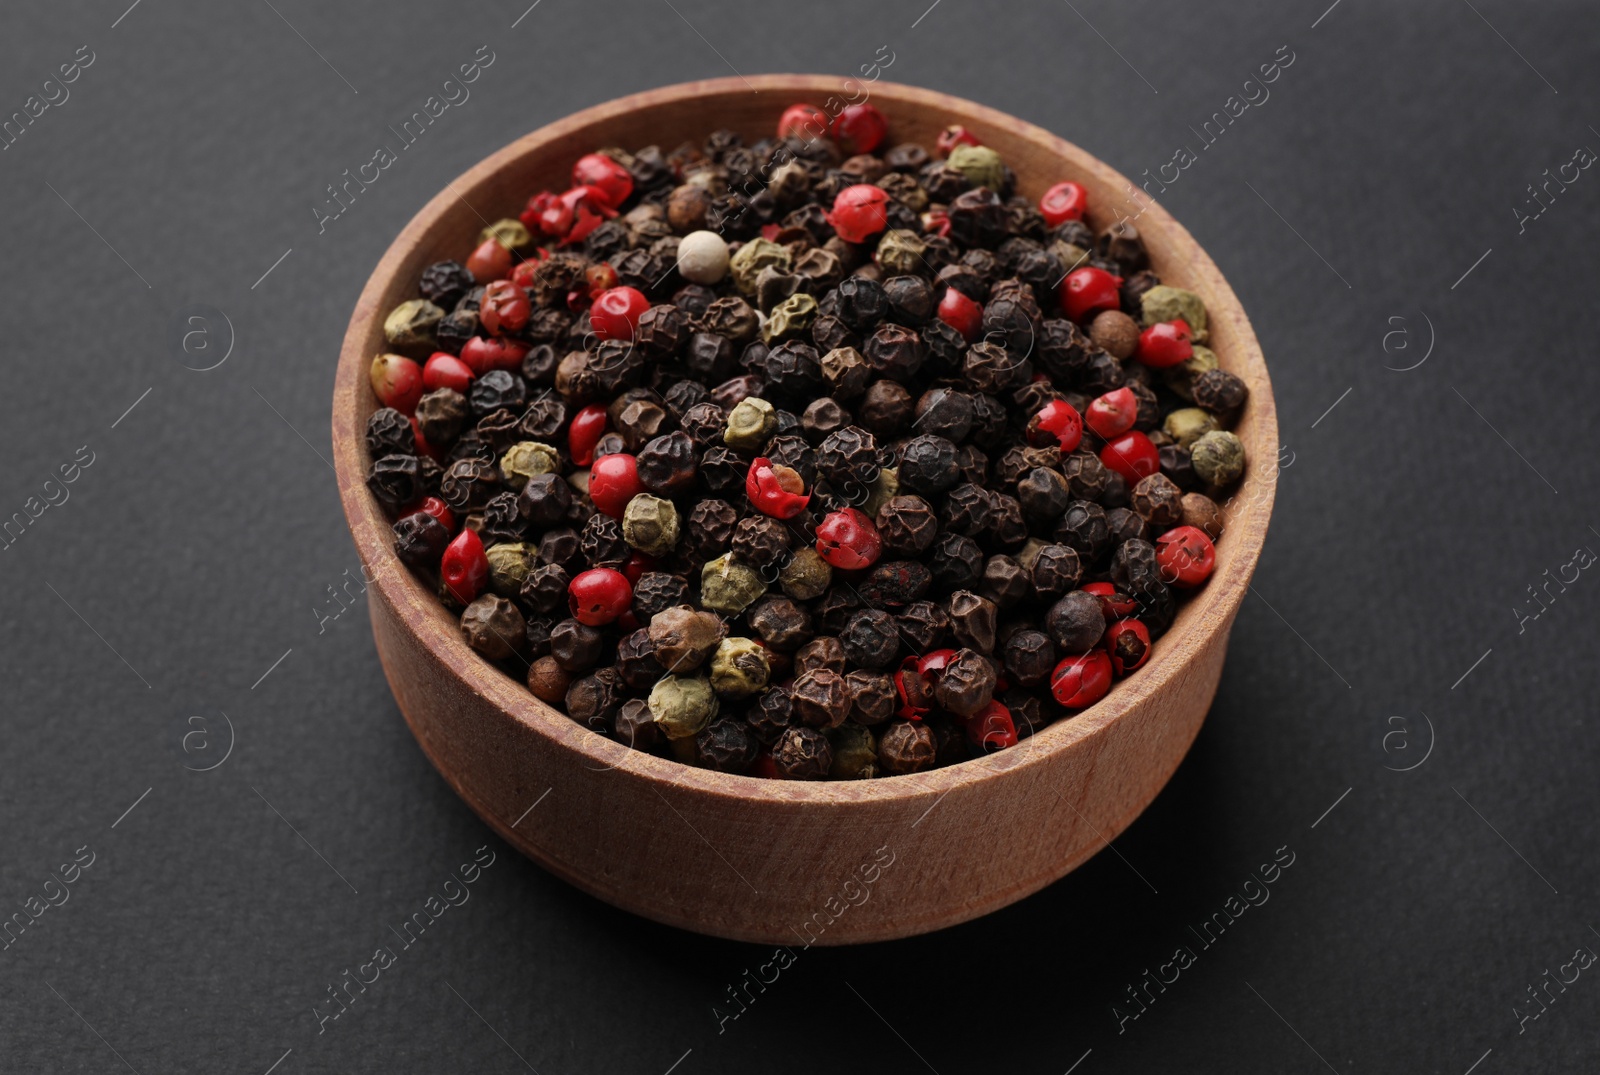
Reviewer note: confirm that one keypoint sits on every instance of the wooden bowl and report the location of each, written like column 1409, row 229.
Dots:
column 774, row 861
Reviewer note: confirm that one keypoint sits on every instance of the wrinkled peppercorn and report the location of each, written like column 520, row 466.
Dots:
column 494, row 627
column 1005, row 582
column 1056, row 569
column 1134, row 568
column 956, row 562
column 602, row 543
column 683, row 638
column 1030, row 658
column 820, row 698
column 1083, row 527
column 802, row 754
column 973, row 621
column 389, row 433
column 906, row 526
column 906, row 747
column 548, row 681
column 576, row 646
column 886, row 408
column 870, row 639
column 923, row 625
column 726, row 746
column 760, row 540
column 928, row 465
column 657, row 591
column 468, row 484
column 1157, row 500
column 820, row 653
column 634, row 725
column 420, row 540
column 593, row 700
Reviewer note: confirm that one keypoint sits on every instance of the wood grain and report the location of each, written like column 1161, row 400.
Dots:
column 772, row 861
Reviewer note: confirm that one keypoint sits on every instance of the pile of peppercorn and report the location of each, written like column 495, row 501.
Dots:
column 813, row 457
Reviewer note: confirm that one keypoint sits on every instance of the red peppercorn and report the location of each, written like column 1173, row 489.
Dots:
column 1081, row 681
column 616, row 312
column 613, row 481
column 1131, row 455
column 803, row 121
column 598, row 596
column 444, row 370
column 1164, row 344
column 582, row 209
column 1127, row 643
column 600, row 278
column 490, row 261
column 775, row 491
column 482, row 354
column 848, row 540
column 637, row 564
column 1063, row 202
column 916, row 699
column 860, row 128
column 396, row 381
column 1089, row 290
column 534, row 218
column 600, row 172
column 858, row 212
column 464, row 568
column 961, row 314
column 991, row 728
column 1062, row 418
column 588, row 426
column 522, row 273
column 1115, row 604
column 423, row 447
column 1186, row 556
column 1112, row 414
column 933, row 662
column 952, row 136
column 764, row 767
column 439, row 510
column 505, row 308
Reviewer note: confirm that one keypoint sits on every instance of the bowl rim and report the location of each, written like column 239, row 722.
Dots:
column 1211, row 610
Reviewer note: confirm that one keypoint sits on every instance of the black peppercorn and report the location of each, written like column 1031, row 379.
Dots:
column 576, row 646
column 944, row 412
column 704, row 423
column 923, row 625
column 602, row 542
column 966, row 510
column 906, row 526
column 1083, row 527
column 593, row 701
column 1178, row 464
column 820, row 698
column 911, row 300
column 495, row 389
column 822, row 417
column 398, row 480
column 772, row 715
column 956, row 562
column 1134, row 569
column 781, row 623
column 894, row 351
column 1030, row 658
column 494, row 627
column 727, row 746
column 545, row 588
column 1005, row 582
column 1056, row 569
column 440, row 415
column 906, row 747
column 544, row 500
column 657, row 591
column 444, row 282
column 502, row 519
column 1043, row 494
column 1219, row 392
column 990, row 429
column 709, row 529
column 389, row 433
column 1087, row 476
column 928, row 464
column 1158, row 501
column 468, row 484
column 1007, row 531
column 848, row 459
column 967, row 683
column 635, row 726
column 1157, row 608
column 977, row 217
column 682, row 395
column 793, row 452
column 420, row 540
column 820, row 653
column 870, row 640
column 760, row 540
column 562, row 546
column 973, row 621
column 860, row 303
column 668, row 464
column 887, row 408
column 1076, row 622
column 802, row 754
column 894, row 584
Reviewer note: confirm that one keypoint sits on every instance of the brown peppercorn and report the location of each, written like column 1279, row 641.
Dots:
column 548, row 681
column 1200, row 511
column 704, row 423
column 576, row 646
column 907, row 526
column 1030, row 658
column 760, row 540
column 870, row 640
column 823, row 416
column 1158, row 501
column 1115, row 333
column 494, row 627
column 923, row 625
column 683, row 638
column 1121, row 243
column 848, row 459
column 635, row 726
column 1076, row 622
column 846, row 371
column 420, row 540
column 667, row 464
column 990, row 368
column 973, row 620
column 967, row 683
column 887, row 408
column 780, row 623
column 636, row 661
column 562, row 546
column 872, row 697
column 1056, row 570
column 440, row 415
column 1219, row 392
column 593, row 701
column 802, row 754
column 820, row 653
column 727, row 746
column 906, row 747
column 967, row 510
column 602, row 543
column 820, row 698
column 1006, row 531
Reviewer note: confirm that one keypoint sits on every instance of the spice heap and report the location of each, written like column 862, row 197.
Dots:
column 818, row 457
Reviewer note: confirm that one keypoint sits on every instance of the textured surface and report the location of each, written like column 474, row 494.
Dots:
column 201, row 543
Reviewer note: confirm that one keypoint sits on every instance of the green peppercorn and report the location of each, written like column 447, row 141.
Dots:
column 752, row 257
column 739, row 668
column 684, row 637
column 729, row 586
column 790, row 317
column 1179, row 378
column 1188, row 424
column 981, row 165
column 1218, row 458
column 855, row 753
column 509, row 564
column 806, row 576
column 510, row 234
column 1164, row 303
column 883, row 490
column 900, row 253
column 682, row 705
column 650, row 524
column 750, row 425
column 528, row 459
column 411, row 324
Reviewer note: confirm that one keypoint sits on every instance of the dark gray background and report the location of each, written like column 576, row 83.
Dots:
column 199, row 546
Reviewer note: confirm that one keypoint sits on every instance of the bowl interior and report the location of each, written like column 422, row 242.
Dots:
column 499, row 186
